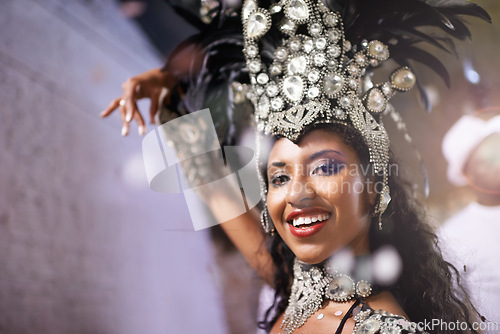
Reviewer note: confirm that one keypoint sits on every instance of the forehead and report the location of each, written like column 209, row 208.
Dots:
column 312, row 142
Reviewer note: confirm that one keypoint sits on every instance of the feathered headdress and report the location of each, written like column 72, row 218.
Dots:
column 306, row 62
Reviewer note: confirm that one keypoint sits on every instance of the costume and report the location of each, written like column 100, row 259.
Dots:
column 304, row 63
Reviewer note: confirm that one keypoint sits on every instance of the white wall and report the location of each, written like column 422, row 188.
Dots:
column 85, row 246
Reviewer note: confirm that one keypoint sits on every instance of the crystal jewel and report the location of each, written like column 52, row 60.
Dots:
column 259, row 90
column 277, row 103
column 378, row 50
column 340, row 114
column 287, row 25
column 331, row 64
column 370, row 326
column 313, row 92
column 333, row 51
column 297, row 10
column 275, row 9
column 387, row 89
column 248, row 8
column 275, row 69
column 333, row 35
column 363, row 289
column 257, row 25
column 313, row 76
column 272, row 90
column 295, row 44
column 263, row 106
column 330, row 19
column 252, row 50
column 403, row 79
column 315, row 29
column 386, row 199
column 332, row 84
column 281, row 54
column 375, row 101
column 308, row 45
column 353, row 83
column 262, row 78
column 345, row 102
column 254, row 66
column 319, row 59
column 353, row 69
column 341, row 288
column 321, row 43
column 297, row 65
column 293, row 88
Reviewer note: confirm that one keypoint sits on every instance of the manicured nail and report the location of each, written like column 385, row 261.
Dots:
column 129, row 117
column 124, row 131
column 102, row 113
column 142, row 130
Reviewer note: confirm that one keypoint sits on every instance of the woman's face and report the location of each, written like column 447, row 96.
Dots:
column 318, row 198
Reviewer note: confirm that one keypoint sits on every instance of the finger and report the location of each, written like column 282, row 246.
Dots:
column 112, row 106
column 125, row 124
column 140, row 121
column 131, row 94
column 153, row 107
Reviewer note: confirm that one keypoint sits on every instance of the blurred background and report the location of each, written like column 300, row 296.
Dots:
column 85, row 245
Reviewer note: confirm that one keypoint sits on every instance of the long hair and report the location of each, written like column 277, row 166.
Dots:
column 428, row 286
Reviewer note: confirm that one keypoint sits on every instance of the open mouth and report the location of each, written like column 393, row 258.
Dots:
column 308, row 221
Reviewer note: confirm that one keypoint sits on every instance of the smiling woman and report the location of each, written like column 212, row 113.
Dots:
column 328, row 188
column 318, row 205
column 321, row 199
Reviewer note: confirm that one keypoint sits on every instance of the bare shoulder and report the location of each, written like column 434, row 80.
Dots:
column 385, row 301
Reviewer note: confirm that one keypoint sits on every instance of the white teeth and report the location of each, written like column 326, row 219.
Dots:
column 308, row 220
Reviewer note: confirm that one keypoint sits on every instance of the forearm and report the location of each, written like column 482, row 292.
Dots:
column 247, row 235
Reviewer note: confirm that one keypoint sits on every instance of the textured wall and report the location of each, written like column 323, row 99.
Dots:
column 85, row 246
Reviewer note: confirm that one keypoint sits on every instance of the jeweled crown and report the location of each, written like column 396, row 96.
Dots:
column 316, row 76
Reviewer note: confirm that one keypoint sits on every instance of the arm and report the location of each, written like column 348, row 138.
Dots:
column 247, row 235
column 244, row 231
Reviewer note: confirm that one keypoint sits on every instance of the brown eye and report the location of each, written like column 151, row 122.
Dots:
column 279, row 180
column 328, row 168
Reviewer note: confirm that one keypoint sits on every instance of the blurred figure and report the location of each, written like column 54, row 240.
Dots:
column 469, row 239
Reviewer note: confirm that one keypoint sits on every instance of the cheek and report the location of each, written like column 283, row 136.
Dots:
column 276, row 202
column 349, row 195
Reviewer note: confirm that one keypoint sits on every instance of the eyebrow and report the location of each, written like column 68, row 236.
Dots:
column 323, row 152
column 277, row 164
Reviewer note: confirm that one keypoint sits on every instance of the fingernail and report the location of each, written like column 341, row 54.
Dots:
column 129, row 117
column 142, row 130
column 124, row 131
column 102, row 113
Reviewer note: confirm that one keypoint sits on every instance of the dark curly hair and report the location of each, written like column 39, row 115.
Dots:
column 428, row 286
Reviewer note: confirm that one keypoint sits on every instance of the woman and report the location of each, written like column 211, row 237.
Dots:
column 327, row 184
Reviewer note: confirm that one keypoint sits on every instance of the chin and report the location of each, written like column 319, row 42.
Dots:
column 310, row 254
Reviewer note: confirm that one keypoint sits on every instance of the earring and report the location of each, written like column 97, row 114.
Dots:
column 267, row 224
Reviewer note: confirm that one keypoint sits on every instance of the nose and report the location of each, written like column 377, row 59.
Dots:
column 300, row 190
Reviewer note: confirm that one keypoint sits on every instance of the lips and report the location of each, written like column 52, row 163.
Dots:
column 306, row 222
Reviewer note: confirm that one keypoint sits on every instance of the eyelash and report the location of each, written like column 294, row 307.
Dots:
column 329, row 168
column 278, row 180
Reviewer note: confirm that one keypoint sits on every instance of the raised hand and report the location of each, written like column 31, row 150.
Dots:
column 150, row 84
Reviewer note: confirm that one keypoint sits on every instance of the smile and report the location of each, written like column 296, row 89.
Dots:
column 310, row 219
column 307, row 221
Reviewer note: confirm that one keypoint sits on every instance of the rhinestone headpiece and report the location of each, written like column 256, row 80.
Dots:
column 317, row 76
